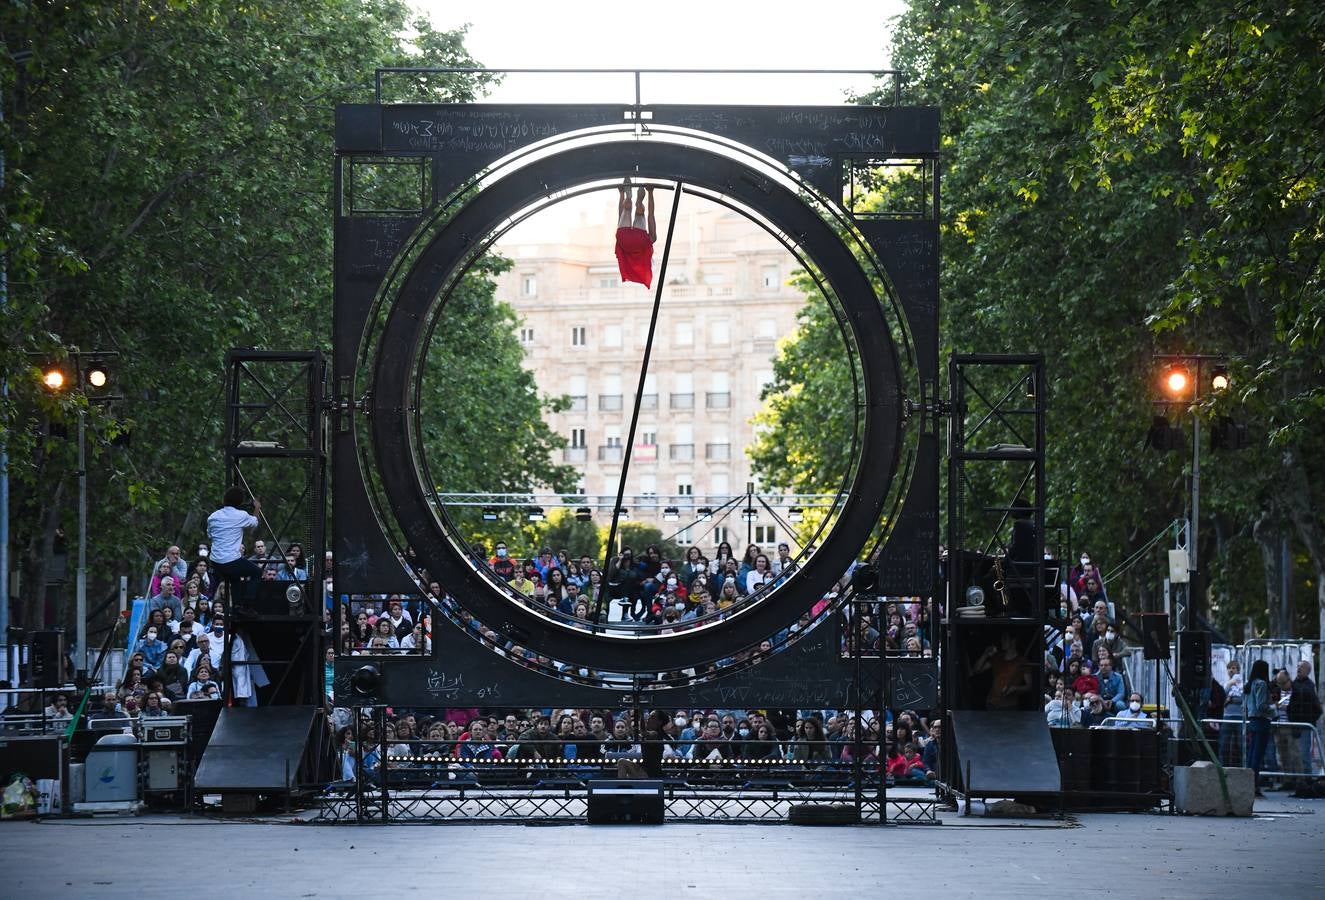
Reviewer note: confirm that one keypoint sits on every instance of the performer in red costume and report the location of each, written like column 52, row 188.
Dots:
column 635, row 236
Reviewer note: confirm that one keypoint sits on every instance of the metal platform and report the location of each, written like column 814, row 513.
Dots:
column 257, row 749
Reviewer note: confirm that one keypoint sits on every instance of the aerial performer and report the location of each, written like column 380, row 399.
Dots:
column 635, row 235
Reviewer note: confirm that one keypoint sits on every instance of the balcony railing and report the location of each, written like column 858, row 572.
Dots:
column 648, row 401
column 578, row 403
column 645, row 453
column 717, row 451
column 610, row 452
column 718, row 399
column 574, row 454
column 609, row 402
column 682, row 401
column 681, row 452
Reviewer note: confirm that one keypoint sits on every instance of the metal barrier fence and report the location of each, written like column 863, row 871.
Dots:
column 1297, row 743
column 431, row 784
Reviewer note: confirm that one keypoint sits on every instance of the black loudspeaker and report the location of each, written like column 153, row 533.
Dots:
column 1155, row 635
column 1194, row 660
column 625, row 803
column 46, row 659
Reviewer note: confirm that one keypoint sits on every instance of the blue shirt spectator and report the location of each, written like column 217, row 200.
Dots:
column 1111, row 687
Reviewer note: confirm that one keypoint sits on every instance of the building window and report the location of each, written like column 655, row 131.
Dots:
column 609, row 282
column 685, row 489
column 648, row 438
column 685, row 334
column 683, row 538
column 611, row 335
column 721, row 534
column 529, row 286
column 720, row 332
column 527, row 336
column 769, row 277
column 577, row 437
column 768, row 329
column 719, row 484
column 578, row 338
column 648, row 485
column 765, row 534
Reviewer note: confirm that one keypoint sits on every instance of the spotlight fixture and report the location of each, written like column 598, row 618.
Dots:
column 365, row 681
column 795, row 514
column 489, row 513
column 583, row 514
column 1219, row 378
column 53, row 378
column 749, row 514
column 671, row 514
column 623, row 513
column 535, row 514
column 704, row 514
column 294, row 595
column 96, row 376
column 1176, row 380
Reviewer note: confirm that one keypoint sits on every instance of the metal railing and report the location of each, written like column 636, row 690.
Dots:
column 610, row 452
column 609, row 402
column 1234, row 747
column 718, row 400
column 681, row 451
column 718, row 451
column 682, row 401
column 574, row 454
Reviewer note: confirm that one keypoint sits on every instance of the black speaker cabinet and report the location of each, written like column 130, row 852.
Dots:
column 1194, row 660
column 46, row 659
column 1155, row 635
column 625, row 803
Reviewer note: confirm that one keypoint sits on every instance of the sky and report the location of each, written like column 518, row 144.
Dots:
column 682, row 34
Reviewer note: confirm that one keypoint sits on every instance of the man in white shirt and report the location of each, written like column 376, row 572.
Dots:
column 225, row 529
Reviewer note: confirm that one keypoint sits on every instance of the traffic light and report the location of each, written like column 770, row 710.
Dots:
column 1163, row 435
column 1229, row 435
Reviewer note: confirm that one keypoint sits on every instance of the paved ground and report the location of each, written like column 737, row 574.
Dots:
column 1278, row 853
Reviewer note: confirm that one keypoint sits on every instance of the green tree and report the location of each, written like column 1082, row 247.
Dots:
column 168, row 184
column 1118, row 181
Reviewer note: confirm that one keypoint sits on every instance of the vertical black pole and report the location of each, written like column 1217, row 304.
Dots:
column 639, row 394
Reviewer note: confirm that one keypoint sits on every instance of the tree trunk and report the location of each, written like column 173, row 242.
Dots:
column 1267, row 535
column 40, row 551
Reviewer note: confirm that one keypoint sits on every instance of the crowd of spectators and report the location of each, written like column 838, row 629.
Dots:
column 686, row 742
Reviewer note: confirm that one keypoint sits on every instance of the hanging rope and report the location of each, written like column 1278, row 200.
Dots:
column 639, row 396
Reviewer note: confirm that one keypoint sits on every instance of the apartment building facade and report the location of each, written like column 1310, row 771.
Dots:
column 725, row 304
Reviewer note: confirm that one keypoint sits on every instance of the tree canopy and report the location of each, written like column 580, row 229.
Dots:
column 1121, row 180
column 167, row 197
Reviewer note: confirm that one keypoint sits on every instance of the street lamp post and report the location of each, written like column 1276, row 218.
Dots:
column 90, row 372
column 1183, row 379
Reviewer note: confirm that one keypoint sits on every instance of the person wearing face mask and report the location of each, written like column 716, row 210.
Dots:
column 151, row 647
column 1132, row 716
column 1106, row 635
column 502, row 564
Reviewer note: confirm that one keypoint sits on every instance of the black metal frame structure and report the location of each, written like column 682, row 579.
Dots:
column 274, row 434
column 996, row 476
column 398, row 256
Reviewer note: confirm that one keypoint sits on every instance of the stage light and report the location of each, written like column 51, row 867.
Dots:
column 795, row 514
column 583, row 514
column 671, row 514
column 96, row 376
column 365, row 681
column 623, row 513
column 294, row 595
column 705, row 514
column 489, row 513
column 53, row 378
column 1176, row 381
column 1219, row 378
column 535, row 514
column 749, row 514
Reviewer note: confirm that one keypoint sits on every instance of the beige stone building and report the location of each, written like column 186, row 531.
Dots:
column 725, row 305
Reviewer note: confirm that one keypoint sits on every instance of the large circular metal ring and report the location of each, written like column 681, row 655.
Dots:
column 406, row 328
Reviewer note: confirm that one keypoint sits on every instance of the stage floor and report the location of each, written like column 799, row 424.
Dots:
column 1281, row 850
